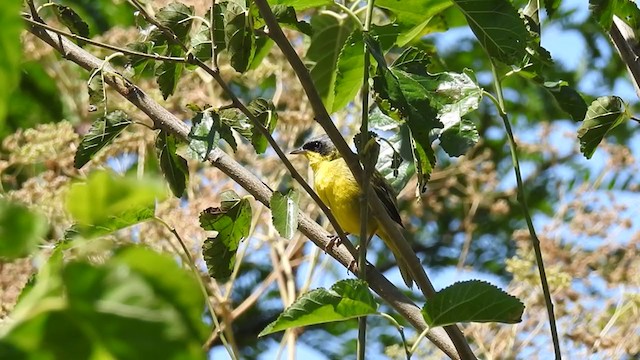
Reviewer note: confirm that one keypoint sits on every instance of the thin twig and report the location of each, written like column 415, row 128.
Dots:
column 522, row 199
column 163, row 119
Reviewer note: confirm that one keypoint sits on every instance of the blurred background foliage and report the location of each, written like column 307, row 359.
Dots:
column 467, row 224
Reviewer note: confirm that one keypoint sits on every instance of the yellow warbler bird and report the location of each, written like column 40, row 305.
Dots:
column 338, row 189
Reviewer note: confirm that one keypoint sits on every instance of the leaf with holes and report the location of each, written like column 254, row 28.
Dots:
column 69, row 18
column 604, row 114
column 472, row 301
column 102, row 132
column 347, row 299
column 97, row 94
column 232, row 221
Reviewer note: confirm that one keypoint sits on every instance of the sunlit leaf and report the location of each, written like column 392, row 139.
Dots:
column 97, row 95
column 177, row 17
column 472, row 301
column 204, row 135
column 349, row 70
column 347, row 299
column 329, row 36
column 102, row 133
column 173, row 166
column 604, row 114
column 107, row 202
column 20, row 230
column 301, row 4
column 286, row 16
column 284, row 212
column 12, row 53
column 412, row 16
column 201, row 40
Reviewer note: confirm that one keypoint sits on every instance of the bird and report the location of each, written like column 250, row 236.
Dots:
column 338, row 189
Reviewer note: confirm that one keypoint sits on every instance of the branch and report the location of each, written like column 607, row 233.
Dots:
column 377, row 208
column 165, row 120
column 624, row 39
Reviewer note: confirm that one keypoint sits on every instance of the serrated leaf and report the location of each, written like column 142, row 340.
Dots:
column 102, row 132
column 301, row 4
column 329, row 36
column 239, row 36
column 459, row 138
column 349, row 71
column 140, row 64
column 107, row 202
column 472, row 301
column 265, row 113
column 347, row 299
column 498, row 27
column 604, row 114
column 284, row 212
column 21, row 230
column 568, row 99
column 177, row 17
column 201, row 40
column 286, row 16
column 232, row 221
column 204, row 134
column 69, row 18
column 173, row 166
column 237, row 121
column 168, row 74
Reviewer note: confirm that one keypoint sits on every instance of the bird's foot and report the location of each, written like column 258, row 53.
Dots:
column 334, row 240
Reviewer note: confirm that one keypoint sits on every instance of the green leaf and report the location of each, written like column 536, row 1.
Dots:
column 459, row 138
column 472, row 301
column 177, row 17
column 413, row 16
column 97, row 95
column 232, row 221
column 174, row 167
column 71, row 20
column 329, row 37
column 239, row 36
column 102, row 133
column 286, row 16
column 131, row 305
column 21, row 230
column 498, row 27
column 11, row 50
column 568, row 99
column 349, row 71
column 284, row 212
column 604, row 10
column 201, row 41
column 204, row 134
column 552, row 7
column 106, row 202
column 169, row 73
column 604, row 114
column 141, row 65
column 265, row 113
column 347, row 299
column 301, row 4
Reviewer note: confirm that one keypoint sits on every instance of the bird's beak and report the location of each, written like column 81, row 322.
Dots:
column 298, row 151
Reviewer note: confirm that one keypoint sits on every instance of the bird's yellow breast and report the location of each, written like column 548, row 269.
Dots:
column 336, row 186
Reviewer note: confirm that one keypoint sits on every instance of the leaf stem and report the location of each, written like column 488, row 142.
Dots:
column 522, row 199
column 401, row 331
column 365, row 157
column 351, row 14
column 203, row 287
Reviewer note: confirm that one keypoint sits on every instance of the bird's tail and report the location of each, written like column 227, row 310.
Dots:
column 403, row 265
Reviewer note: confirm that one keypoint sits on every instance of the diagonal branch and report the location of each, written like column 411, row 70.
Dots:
column 377, row 208
column 163, row 119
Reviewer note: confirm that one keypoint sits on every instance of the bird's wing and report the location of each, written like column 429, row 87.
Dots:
column 387, row 196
